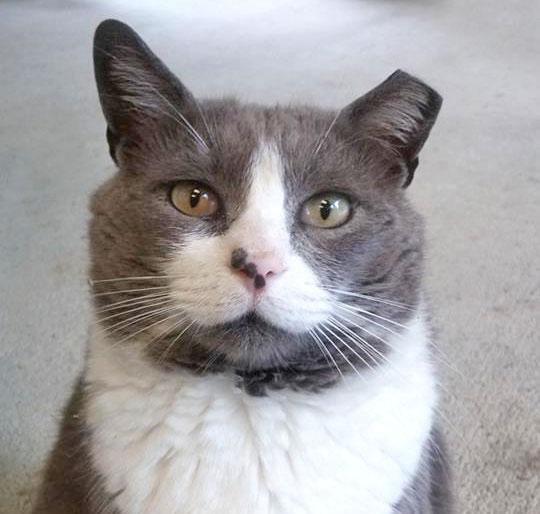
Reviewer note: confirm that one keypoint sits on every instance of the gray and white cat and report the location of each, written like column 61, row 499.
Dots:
column 260, row 343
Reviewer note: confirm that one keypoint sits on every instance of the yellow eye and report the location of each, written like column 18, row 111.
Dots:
column 327, row 210
column 194, row 199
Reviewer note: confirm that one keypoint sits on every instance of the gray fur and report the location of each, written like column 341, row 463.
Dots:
column 428, row 492
column 365, row 151
column 159, row 134
column 71, row 485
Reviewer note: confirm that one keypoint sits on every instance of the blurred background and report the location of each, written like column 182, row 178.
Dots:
column 478, row 186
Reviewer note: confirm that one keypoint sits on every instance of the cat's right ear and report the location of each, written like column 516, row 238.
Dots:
column 138, row 94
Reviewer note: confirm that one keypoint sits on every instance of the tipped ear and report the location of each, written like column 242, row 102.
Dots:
column 138, row 94
column 395, row 118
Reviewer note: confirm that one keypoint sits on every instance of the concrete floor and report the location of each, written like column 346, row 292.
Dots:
column 478, row 186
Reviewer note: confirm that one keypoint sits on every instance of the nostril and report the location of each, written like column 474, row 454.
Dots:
column 259, row 281
column 250, row 269
column 238, row 258
column 269, row 274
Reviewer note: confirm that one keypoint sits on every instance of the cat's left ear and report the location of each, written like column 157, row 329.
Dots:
column 394, row 120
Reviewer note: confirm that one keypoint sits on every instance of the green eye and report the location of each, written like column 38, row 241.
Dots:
column 327, row 210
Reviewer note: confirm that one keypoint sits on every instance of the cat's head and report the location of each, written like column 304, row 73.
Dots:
column 253, row 237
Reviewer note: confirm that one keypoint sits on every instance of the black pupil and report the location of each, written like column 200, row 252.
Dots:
column 195, row 197
column 325, row 209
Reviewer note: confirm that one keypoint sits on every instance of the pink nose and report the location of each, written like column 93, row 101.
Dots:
column 268, row 265
column 257, row 267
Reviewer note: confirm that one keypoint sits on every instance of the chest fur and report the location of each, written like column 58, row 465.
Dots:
column 177, row 444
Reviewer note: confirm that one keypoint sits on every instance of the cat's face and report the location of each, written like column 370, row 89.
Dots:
column 253, row 237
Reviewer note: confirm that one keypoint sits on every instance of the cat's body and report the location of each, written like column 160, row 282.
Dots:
column 174, row 443
column 257, row 352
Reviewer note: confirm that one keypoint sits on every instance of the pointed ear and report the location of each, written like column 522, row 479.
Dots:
column 394, row 119
column 138, row 94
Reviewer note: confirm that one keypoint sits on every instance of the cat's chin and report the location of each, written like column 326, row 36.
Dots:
column 252, row 342
column 247, row 343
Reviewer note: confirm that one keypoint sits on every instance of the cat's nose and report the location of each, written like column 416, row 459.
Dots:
column 268, row 265
column 258, row 267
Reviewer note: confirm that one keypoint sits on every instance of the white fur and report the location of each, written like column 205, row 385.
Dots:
column 174, row 443
column 293, row 300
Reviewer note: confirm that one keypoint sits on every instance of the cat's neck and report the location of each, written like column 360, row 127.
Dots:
column 121, row 361
column 372, row 427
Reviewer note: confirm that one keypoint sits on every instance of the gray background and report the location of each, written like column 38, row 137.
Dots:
column 478, row 186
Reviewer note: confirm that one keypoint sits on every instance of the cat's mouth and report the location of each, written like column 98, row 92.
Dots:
column 247, row 342
column 251, row 320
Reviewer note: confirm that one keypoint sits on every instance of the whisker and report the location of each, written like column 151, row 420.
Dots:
column 320, row 329
column 160, row 302
column 324, row 350
column 213, row 357
column 328, row 351
column 203, row 117
column 393, row 347
column 365, row 342
column 167, row 330
column 122, row 291
column 194, row 135
column 355, row 312
column 372, row 334
column 119, row 279
column 132, row 301
column 440, row 357
column 354, row 338
column 187, row 124
column 121, row 325
column 398, row 373
column 175, row 340
column 349, row 347
column 372, row 298
column 146, row 328
column 325, row 135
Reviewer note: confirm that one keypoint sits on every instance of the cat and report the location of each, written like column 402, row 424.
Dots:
column 260, row 342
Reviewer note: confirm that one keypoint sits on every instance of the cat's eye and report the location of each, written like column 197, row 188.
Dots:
column 194, row 199
column 327, row 210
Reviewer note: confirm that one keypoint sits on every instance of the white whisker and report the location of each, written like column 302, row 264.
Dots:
column 203, row 118
column 132, row 301
column 353, row 313
column 393, row 347
column 121, row 325
column 348, row 346
column 122, row 291
column 167, row 330
column 339, row 351
column 155, row 304
column 146, row 328
column 325, row 135
column 183, row 119
column 175, row 340
column 190, row 130
column 364, row 311
column 381, row 355
column 146, row 277
column 325, row 351
column 371, row 298
column 348, row 320
column 354, row 338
